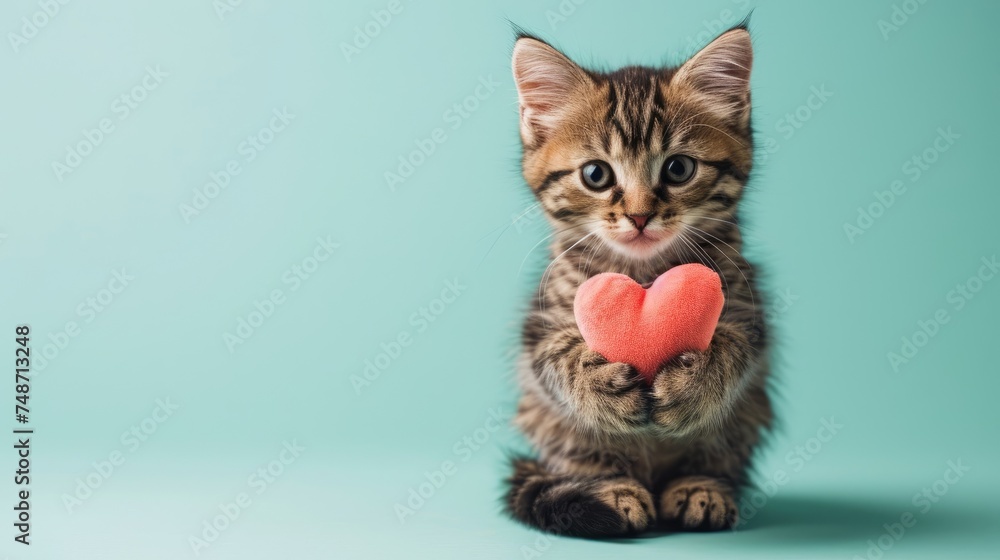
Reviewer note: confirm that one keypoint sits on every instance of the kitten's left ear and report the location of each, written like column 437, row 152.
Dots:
column 721, row 71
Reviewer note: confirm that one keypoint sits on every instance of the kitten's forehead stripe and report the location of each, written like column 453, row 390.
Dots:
column 636, row 109
column 651, row 121
column 614, row 109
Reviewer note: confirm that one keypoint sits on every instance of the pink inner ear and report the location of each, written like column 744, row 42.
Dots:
column 646, row 328
column 545, row 80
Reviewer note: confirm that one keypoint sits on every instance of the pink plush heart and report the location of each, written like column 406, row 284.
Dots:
column 624, row 322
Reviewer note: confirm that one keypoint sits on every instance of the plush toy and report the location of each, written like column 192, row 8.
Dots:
column 624, row 322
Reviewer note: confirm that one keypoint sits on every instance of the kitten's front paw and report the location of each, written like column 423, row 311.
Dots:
column 611, row 392
column 689, row 362
column 698, row 503
column 675, row 388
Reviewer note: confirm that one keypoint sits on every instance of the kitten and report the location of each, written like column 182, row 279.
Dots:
column 637, row 170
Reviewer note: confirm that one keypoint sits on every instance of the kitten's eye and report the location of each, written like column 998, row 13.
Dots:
column 678, row 170
column 597, row 175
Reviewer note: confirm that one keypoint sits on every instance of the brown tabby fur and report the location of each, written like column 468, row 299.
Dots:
column 616, row 455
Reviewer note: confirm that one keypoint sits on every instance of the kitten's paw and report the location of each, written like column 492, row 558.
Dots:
column 593, row 508
column 698, row 503
column 631, row 501
column 686, row 365
column 675, row 389
column 612, row 391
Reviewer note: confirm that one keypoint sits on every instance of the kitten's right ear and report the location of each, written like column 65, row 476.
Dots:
column 546, row 80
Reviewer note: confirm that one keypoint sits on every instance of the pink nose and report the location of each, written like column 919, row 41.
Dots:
column 639, row 220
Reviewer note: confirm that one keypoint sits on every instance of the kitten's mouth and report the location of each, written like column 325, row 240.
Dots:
column 641, row 237
column 644, row 237
column 642, row 243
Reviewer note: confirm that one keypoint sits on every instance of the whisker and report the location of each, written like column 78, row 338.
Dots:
column 714, row 266
column 740, row 142
column 717, row 220
column 584, row 263
column 753, row 303
column 542, row 286
column 598, row 247
column 546, row 238
column 526, row 210
column 512, row 222
column 734, row 249
column 505, row 229
column 528, row 254
column 687, row 122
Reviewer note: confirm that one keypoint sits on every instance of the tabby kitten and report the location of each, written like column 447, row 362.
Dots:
column 638, row 170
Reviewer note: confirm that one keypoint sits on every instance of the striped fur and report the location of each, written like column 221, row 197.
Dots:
column 616, row 456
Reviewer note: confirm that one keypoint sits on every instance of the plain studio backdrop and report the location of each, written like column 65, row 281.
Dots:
column 274, row 257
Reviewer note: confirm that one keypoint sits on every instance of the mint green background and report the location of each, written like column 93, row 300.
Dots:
column 324, row 176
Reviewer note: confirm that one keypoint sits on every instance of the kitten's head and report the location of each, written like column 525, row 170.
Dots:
column 636, row 155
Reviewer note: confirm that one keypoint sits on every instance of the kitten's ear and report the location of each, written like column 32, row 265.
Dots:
column 721, row 71
column 546, row 81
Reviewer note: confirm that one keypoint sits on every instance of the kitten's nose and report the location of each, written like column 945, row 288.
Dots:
column 639, row 220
